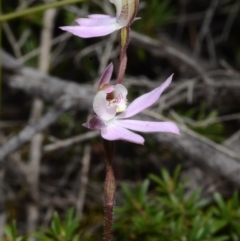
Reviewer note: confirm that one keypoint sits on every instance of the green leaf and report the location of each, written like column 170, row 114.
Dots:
column 219, row 201
column 56, row 224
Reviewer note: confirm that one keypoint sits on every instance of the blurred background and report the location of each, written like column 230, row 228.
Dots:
column 52, row 169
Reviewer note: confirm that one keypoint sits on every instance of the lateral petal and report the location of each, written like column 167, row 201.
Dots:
column 93, row 31
column 95, row 21
column 148, row 126
column 114, row 132
column 145, row 100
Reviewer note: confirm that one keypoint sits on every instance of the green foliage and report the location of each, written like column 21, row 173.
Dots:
column 167, row 214
column 155, row 210
column 201, row 117
column 11, row 233
column 229, row 212
column 62, row 231
column 212, row 131
column 68, row 230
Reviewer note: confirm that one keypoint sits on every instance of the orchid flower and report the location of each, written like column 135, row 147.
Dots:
column 111, row 100
column 97, row 25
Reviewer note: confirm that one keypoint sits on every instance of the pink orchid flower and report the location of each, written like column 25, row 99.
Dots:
column 111, row 100
column 97, row 25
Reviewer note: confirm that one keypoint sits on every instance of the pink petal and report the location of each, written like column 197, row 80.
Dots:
column 94, row 31
column 99, row 16
column 148, row 126
column 145, row 100
column 106, row 76
column 114, row 132
column 95, row 123
column 102, row 108
column 95, row 21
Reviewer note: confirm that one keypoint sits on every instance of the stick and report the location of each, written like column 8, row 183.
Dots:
column 83, row 180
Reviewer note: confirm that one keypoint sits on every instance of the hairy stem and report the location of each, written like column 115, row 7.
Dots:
column 124, row 41
column 109, row 190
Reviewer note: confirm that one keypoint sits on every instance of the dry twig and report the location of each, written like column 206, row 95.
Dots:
column 69, row 142
column 83, row 179
column 36, row 112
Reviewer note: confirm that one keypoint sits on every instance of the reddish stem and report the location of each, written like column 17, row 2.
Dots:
column 122, row 67
column 109, row 190
column 124, row 41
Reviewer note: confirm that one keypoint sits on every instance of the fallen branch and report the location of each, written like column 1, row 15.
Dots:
column 46, row 87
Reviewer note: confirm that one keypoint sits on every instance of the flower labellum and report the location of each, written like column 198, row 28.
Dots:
column 112, row 113
column 97, row 25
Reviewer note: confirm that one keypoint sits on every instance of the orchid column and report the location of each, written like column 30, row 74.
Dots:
column 110, row 103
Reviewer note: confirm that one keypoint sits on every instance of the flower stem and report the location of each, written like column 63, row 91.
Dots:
column 33, row 10
column 124, row 41
column 109, row 190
